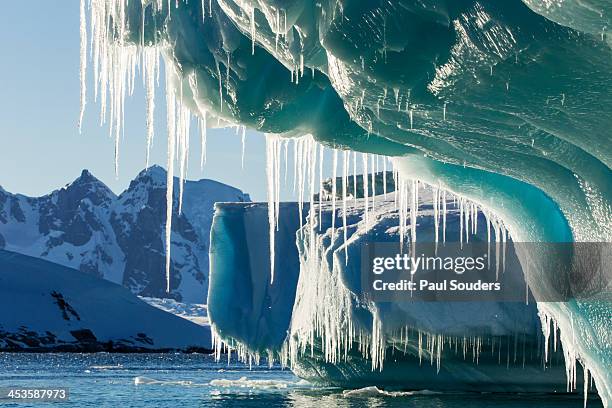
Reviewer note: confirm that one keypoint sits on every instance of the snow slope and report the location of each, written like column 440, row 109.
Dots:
column 194, row 312
column 85, row 226
column 45, row 306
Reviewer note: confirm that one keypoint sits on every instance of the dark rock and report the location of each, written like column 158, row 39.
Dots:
column 67, row 310
column 84, row 336
column 16, row 211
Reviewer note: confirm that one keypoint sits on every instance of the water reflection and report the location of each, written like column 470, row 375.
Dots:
column 335, row 398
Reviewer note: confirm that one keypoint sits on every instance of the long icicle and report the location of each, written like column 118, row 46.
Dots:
column 150, row 66
column 355, row 178
column 171, row 125
column 203, row 137
column 321, row 152
column 334, row 192
column 364, row 159
column 345, row 166
column 243, row 141
column 83, row 63
column 271, row 158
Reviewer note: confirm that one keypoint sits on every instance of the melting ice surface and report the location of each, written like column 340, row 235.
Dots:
column 506, row 104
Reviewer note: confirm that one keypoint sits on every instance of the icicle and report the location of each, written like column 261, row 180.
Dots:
column 277, row 155
column 286, row 145
column 301, row 166
column 414, row 209
column 203, row 141
column 253, row 31
column 321, row 151
column 586, row 385
column 444, row 216
column 488, row 240
column 312, row 211
column 396, row 183
column 402, row 191
column 384, row 177
column 150, row 67
column 364, row 159
column 504, row 244
column 345, row 165
column 436, row 208
column 420, row 345
column 243, row 141
column 220, row 86
column 355, row 178
column 461, row 222
column 467, row 214
column 227, row 70
column 272, row 177
column 372, row 166
column 334, row 192
column 295, row 162
column 183, row 128
column 83, row 63
column 171, row 125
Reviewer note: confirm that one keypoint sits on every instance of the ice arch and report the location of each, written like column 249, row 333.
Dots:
column 496, row 100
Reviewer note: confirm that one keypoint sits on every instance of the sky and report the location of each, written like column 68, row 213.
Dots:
column 40, row 146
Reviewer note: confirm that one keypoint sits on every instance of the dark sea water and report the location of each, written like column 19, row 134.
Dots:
column 196, row 380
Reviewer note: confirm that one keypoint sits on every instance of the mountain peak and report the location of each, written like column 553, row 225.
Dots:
column 86, row 178
column 87, row 185
column 155, row 170
column 157, row 174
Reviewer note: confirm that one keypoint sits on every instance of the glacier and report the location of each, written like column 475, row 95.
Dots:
column 506, row 104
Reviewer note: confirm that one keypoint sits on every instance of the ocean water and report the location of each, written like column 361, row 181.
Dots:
column 196, row 380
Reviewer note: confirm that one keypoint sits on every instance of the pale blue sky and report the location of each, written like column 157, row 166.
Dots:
column 40, row 147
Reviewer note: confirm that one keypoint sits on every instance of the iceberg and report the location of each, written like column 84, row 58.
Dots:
column 506, row 104
column 315, row 317
column 239, row 255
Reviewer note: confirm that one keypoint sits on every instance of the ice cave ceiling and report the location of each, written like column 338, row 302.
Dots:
column 517, row 88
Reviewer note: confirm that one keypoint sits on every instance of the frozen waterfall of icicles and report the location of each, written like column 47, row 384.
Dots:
column 115, row 64
column 322, row 309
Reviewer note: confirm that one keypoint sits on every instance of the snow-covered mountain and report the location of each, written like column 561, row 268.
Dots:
column 45, row 306
column 87, row 227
